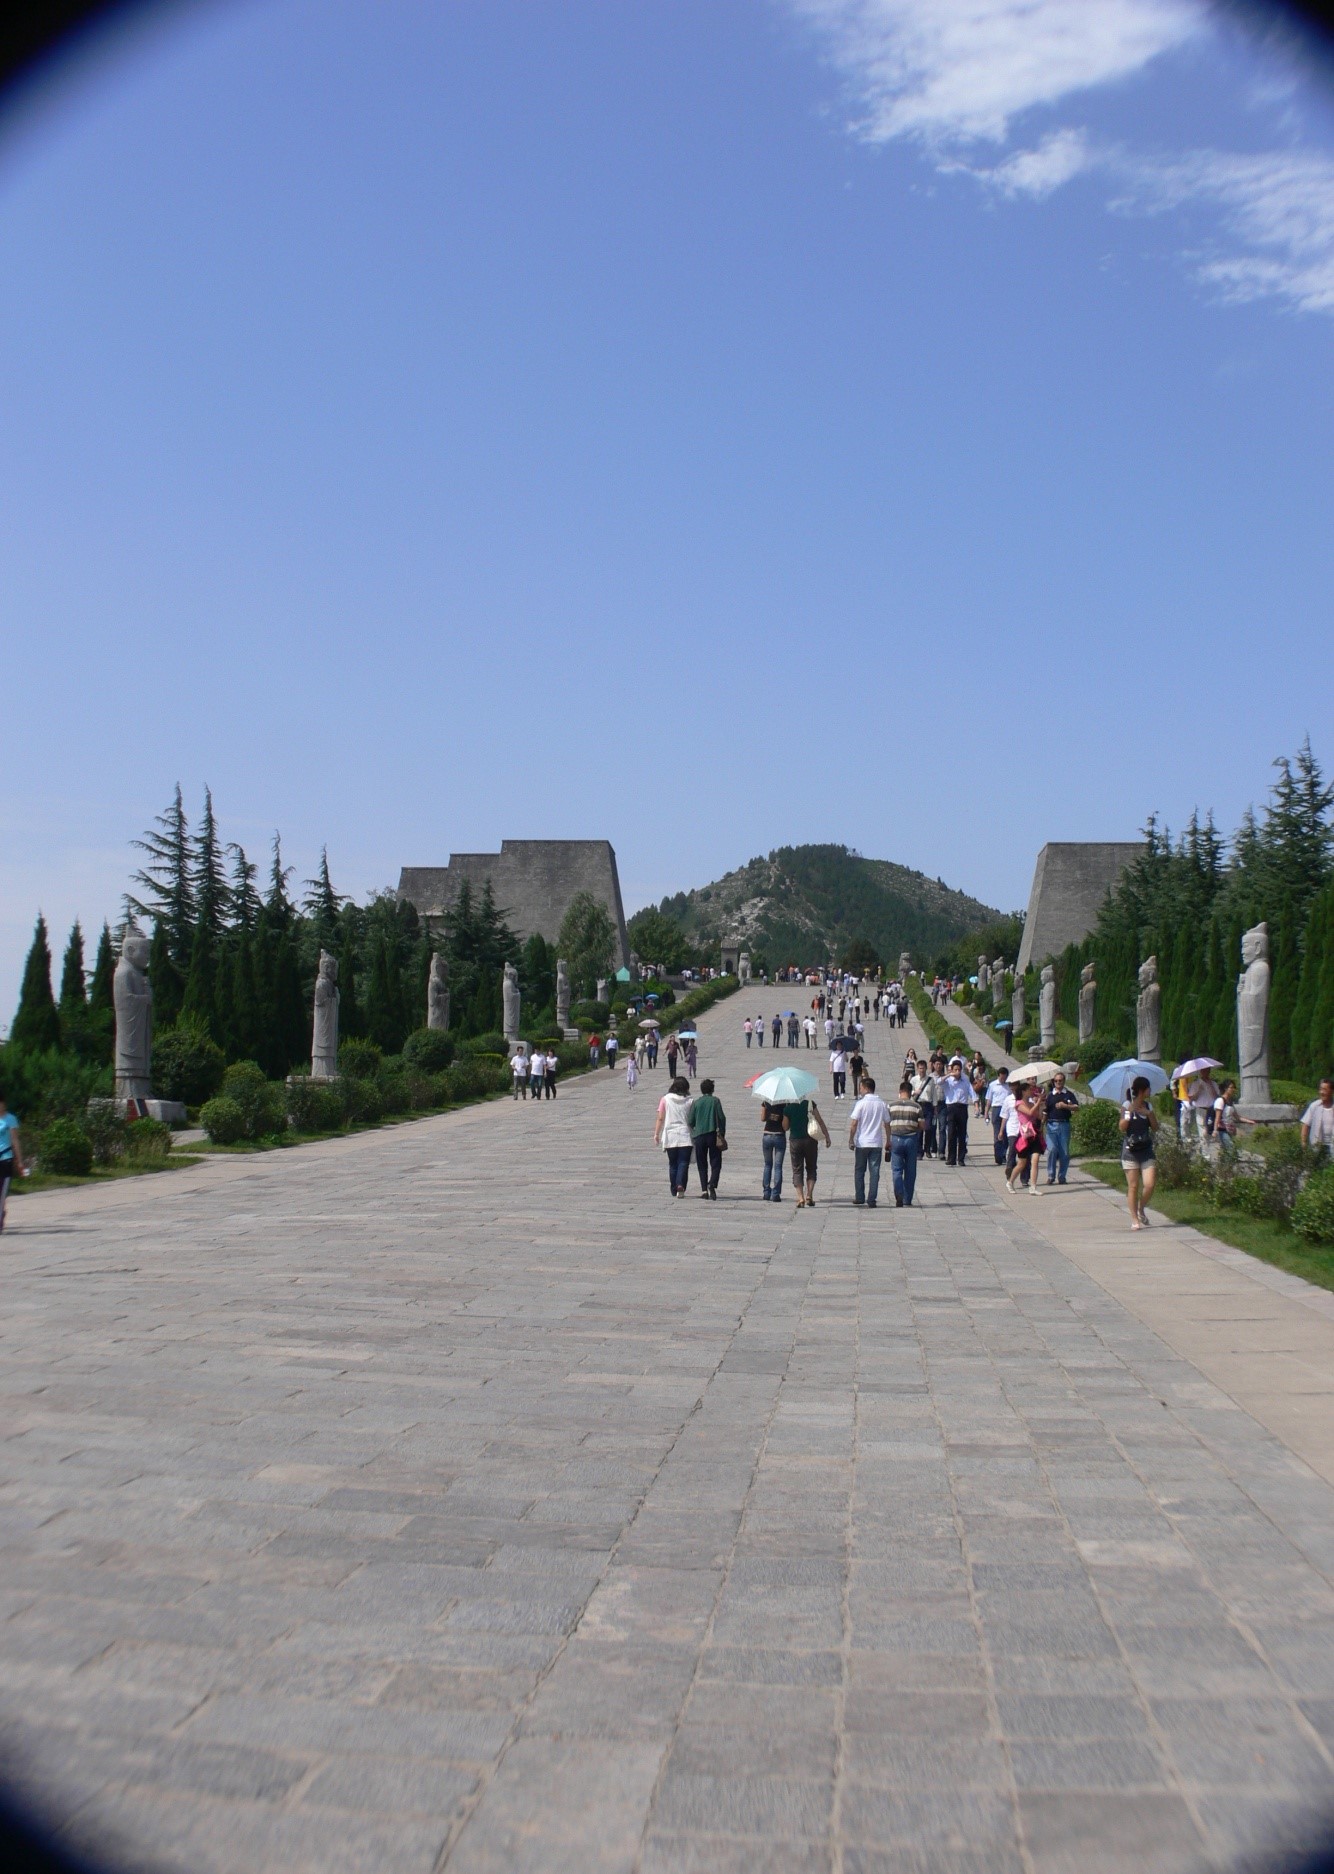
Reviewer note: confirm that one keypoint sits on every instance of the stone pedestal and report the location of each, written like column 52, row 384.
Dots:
column 1272, row 1114
column 170, row 1112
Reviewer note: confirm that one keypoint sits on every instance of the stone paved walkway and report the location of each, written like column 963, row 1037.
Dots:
column 448, row 1497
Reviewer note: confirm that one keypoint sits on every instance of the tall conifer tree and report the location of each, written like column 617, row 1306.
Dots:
column 167, row 881
column 36, row 1023
column 73, row 986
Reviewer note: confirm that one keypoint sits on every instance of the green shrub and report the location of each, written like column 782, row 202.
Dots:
column 1266, row 1182
column 362, row 1101
column 66, row 1149
column 429, row 1050
column 147, row 1141
column 1313, row 1212
column 223, row 1120
column 359, row 1060
column 187, row 1065
column 394, row 1095
column 1179, row 1168
column 262, row 1102
column 105, row 1127
column 1095, row 1131
column 312, row 1107
column 423, row 1090
column 484, row 1044
column 1097, row 1052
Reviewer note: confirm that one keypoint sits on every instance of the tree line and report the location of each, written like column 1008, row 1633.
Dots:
column 235, row 960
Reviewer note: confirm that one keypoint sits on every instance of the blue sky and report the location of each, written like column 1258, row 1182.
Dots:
column 707, row 426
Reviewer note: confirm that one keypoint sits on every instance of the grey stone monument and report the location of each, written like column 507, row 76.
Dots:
column 905, row 965
column 1047, row 1006
column 983, row 973
column 510, row 994
column 998, row 981
column 1253, row 987
column 437, row 993
column 602, row 995
column 133, row 999
column 1017, row 1009
column 324, row 1046
column 1149, row 1012
column 743, row 967
column 1088, row 1003
column 562, row 995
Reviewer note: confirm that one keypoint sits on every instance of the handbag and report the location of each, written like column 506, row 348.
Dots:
column 721, row 1137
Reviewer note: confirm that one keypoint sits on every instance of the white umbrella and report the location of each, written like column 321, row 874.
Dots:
column 1037, row 1073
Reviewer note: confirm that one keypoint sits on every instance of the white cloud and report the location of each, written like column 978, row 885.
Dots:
column 957, row 75
column 957, row 71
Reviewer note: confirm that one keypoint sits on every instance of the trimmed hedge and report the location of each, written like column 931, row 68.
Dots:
column 1095, row 1131
column 66, row 1149
column 1313, row 1212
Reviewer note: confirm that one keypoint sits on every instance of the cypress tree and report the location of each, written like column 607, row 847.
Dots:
column 168, row 883
column 100, row 999
column 321, row 906
column 36, row 1023
column 1309, row 983
column 168, row 983
column 243, row 1036
column 284, row 1033
column 199, row 1003
column 350, row 1020
column 1321, row 1045
column 1283, row 990
column 73, row 988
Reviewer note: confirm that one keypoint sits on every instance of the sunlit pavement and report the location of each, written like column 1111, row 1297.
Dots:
column 450, row 1497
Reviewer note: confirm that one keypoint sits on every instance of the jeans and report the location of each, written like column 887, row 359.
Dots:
column 775, row 1148
column 956, row 1130
column 1058, row 1150
column 998, row 1135
column 903, row 1152
column 748, row 1040
column 867, row 1158
column 927, row 1145
column 941, row 1125
column 678, row 1167
column 709, row 1159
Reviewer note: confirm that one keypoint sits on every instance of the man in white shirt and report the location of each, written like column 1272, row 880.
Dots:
column 838, row 1067
column 1318, row 1120
column 927, row 1092
column 828, row 1029
column 1202, row 1096
column 1009, row 1113
column 958, row 1096
column 997, row 1093
column 867, row 1124
column 519, row 1066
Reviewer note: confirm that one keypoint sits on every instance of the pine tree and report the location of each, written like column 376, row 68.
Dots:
column 1315, row 940
column 1283, row 989
column 245, row 901
column 1321, row 1044
column 322, row 904
column 199, row 1003
column 283, row 1027
column 350, row 1022
column 167, row 881
column 73, row 988
column 168, row 982
column 37, row 1024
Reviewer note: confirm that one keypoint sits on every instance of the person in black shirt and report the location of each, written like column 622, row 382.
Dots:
column 1139, row 1122
column 1062, row 1105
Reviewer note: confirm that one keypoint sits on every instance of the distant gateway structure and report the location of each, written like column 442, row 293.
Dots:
column 1070, row 881
column 533, row 881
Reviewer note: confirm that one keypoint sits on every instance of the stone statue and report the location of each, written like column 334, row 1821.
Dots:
column 905, row 965
column 602, row 995
column 437, row 993
column 511, row 999
column 1149, row 1012
column 324, row 1047
column 1253, row 1017
column 1047, row 1005
column 133, row 998
column 743, row 967
column 1017, row 1010
column 998, row 981
column 983, row 973
column 1088, row 1003
column 562, row 995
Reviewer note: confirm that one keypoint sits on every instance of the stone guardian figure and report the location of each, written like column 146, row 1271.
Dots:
column 562, row 995
column 997, row 982
column 983, row 973
column 510, row 993
column 743, row 967
column 132, row 996
column 324, row 1045
column 437, row 992
column 1149, row 1012
column 1047, row 1005
column 1088, row 1003
column 1253, row 1016
column 1018, row 1011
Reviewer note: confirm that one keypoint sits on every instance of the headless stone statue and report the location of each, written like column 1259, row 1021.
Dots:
column 1253, row 1016
column 437, row 993
column 1017, row 1008
column 511, row 1001
column 324, row 1046
column 1149, row 1012
column 905, row 964
column 562, row 995
column 133, row 999
column 1088, row 1003
column 1047, row 1005
column 983, row 973
column 997, row 982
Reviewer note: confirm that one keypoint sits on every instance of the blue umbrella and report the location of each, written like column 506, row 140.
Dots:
column 1113, row 1083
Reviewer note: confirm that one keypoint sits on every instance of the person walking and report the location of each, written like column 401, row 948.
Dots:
column 594, row 1048
column 673, row 1054
column 773, row 1143
column 1062, row 1105
column 1139, row 1159
column 776, row 1029
column 998, row 1091
column 672, row 1132
column 1201, row 1095
column 759, row 1031
column 613, row 1048
column 856, row 1068
column 11, row 1155
column 929, row 1093
column 1010, row 1127
column 805, row 1128
column 838, row 1067
column 748, row 1029
column 708, row 1135
column 866, row 1141
column 631, row 1071
column 641, row 1052
column 1317, row 1120
column 958, row 1095
column 653, row 1041
column 905, row 1144
column 551, row 1070
column 692, row 1059
column 520, row 1067
column 810, row 1031
column 1028, row 1140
